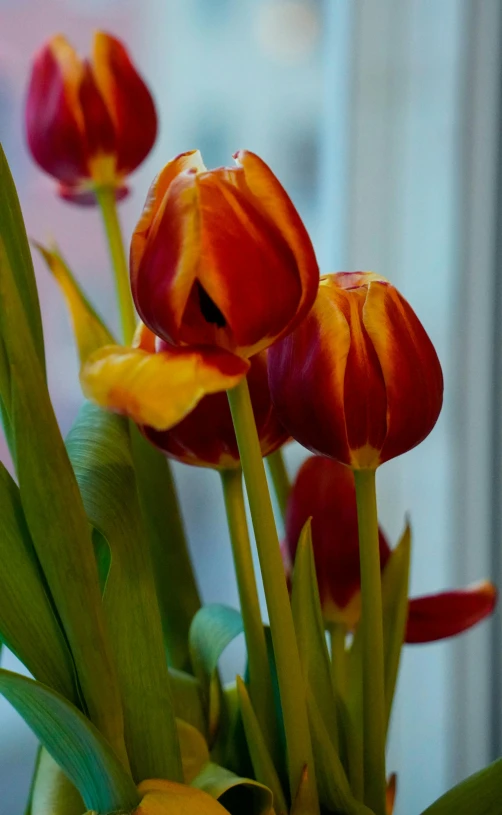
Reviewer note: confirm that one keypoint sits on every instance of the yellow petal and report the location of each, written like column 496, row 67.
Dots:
column 89, row 330
column 158, row 389
column 168, row 798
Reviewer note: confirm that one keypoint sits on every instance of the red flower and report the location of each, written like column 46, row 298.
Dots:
column 88, row 123
column 206, row 437
column 358, row 380
column 324, row 490
column 221, row 257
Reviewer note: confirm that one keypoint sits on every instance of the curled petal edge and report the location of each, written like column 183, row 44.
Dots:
column 158, row 389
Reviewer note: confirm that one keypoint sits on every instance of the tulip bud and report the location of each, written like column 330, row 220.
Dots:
column 206, row 437
column 221, row 257
column 324, row 490
column 88, row 123
column 359, row 379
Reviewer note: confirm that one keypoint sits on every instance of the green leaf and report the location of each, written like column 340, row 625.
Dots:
column 334, row 789
column 28, row 625
column 17, row 251
column 263, row 766
column 56, row 519
column 310, row 634
column 194, row 750
column 302, row 805
column 240, row 796
column 100, row 450
column 74, row 743
column 177, row 591
column 187, row 699
column 480, row 794
column 213, row 628
column 53, row 792
column 395, row 581
column 89, row 329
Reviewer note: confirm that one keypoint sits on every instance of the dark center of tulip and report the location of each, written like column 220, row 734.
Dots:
column 209, row 309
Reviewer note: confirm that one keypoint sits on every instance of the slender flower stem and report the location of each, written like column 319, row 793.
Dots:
column 337, row 635
column 260, row 683
column 106, row 200
column 372, row 642
column 290, row 679
column 280, row 480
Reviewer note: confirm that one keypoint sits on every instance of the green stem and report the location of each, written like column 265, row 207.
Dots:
column 372, row 643
column 106, row 200
column 280, row 480
column 337, row 636
column 260, row 684
column 290, row 679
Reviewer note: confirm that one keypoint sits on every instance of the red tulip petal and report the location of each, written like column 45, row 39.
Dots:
column 276, row 203
column 54, row 122
column 442, row 615
column 99, row 130
column 307, row 379
column 410, row 366
column 246, row 266
column 128, row 100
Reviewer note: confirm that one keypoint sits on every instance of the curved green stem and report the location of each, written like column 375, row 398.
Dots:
column 108, row 205
column 260, row 684
column 289, row 672
column 372, row 643
column 280, row 480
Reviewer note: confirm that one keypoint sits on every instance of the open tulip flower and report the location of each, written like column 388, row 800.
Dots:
column 359, row 379
column 221, row 257
column 89, row 123
column 324, row 490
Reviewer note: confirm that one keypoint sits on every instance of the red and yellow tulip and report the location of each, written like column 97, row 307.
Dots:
column 90, row 122
column 221, row 257
column 358, row 380
column 206, row 437
column 324, row 490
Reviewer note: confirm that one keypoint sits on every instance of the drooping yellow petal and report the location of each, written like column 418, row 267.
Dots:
column 168, row 798
column 158, row 389
column 89, row 329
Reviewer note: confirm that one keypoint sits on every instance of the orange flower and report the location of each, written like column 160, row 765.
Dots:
column 221, row 257
column 206, row 437
column 324, row 490
column 359, row 379
column 88, row 123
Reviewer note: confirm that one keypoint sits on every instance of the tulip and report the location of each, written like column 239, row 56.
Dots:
column 358, row 380
column 157, row 387
column 221, row 258
column 324, row 490
column 89, row 123
column 206, row 437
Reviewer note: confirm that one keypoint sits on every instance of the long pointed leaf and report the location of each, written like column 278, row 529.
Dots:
column 74, row 743
column 28, row 624
column 177, row 590
column 17, row 250
column 310, row 635
column 480, row 794
column 53, row 792
column 100, row 450
column 56, row 518
column 395, row 580
column 263, row 766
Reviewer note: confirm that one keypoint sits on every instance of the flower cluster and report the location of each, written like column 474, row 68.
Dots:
column 240, row 346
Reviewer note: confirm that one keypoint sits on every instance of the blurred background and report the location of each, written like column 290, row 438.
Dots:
column 382, row 120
